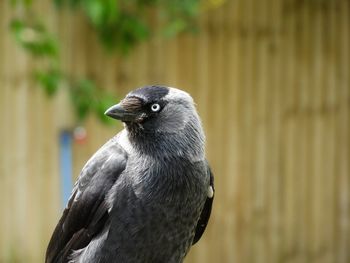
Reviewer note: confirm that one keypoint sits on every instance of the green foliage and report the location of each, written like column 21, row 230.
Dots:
column 123, row 24
column 87, row 98
column 24, row 2
column 34, row 38
column 49, row 80
column 37, row 41
column 119, row 24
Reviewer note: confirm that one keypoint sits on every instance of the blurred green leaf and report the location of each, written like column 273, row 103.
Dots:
column 26, row 3
column 132, row 30
column 49, row 80
column 95, row 11
column 102, row 13
column 88, row 98
column 173, row 28
column 82, row 95
column 34, row 38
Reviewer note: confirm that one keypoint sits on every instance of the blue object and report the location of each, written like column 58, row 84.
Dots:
column 66, row 166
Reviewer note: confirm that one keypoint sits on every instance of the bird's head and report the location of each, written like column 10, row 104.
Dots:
column 160, row 112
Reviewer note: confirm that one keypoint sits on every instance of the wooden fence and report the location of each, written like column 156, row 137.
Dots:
column 271, row 81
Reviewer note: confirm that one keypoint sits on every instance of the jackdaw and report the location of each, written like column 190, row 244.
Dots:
column 146, row 195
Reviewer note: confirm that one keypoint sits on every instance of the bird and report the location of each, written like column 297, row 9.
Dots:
column 146, row 195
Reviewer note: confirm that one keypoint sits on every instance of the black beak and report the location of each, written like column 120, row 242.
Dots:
column 119, row 113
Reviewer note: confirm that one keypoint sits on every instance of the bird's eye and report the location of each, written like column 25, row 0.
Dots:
column 155, row 107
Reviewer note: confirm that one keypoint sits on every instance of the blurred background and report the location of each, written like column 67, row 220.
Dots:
column 271, row 80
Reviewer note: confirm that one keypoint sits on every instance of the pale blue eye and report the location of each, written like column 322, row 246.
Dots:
column 155, row 107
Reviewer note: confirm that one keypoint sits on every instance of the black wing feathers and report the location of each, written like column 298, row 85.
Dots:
column 87, row 210
column 204, row 217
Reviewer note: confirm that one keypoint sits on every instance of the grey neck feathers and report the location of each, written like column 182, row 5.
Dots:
column 186, row 142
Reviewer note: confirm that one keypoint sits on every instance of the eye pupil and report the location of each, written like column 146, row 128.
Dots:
column 155, row 107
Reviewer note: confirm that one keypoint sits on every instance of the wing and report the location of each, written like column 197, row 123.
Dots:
column 204, row 217
column 87, row 210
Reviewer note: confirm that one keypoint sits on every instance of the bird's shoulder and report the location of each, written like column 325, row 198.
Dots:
column 87, row 210
column 107, row 162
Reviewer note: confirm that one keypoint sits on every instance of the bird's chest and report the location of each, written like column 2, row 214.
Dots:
column 163, row 211
column 167, row 182
column 173, row 199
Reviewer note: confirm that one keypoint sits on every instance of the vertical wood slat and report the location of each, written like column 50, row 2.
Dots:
column 343, row 197
column 330, row 174
column 5, row 237
column 271, row 80
column 273, row 169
